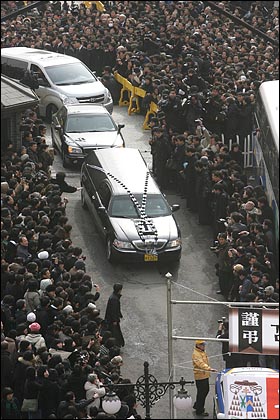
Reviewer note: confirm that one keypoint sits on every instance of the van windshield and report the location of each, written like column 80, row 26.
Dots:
column 70, row 74
column 122, row 206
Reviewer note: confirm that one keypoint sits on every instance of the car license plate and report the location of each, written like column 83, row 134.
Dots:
column 150, row 257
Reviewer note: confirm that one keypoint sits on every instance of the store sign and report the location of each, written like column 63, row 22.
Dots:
column 254, row 331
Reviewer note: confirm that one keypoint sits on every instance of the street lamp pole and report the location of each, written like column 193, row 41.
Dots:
column 148, row 391
column 168, row 276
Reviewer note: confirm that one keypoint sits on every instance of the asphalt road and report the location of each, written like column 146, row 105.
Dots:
column 144, row 301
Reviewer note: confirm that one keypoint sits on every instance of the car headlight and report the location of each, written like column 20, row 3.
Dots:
column 74, row 149
column 70, row 100
column 173, row 244
column 122, row 244
column 108, row 96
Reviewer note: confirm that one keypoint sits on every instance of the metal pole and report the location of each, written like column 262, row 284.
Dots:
column 234, row 304
column 170, row 346
column 23, row 10
column 242, row 22
column 177, row 337
column 147, row 390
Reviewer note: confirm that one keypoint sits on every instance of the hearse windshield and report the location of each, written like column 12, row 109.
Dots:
column 122, row 206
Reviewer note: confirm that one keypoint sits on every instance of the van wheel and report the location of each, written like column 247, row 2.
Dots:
column 51, row 109
column 109, row 254
column 84, row 204
column 65, row 161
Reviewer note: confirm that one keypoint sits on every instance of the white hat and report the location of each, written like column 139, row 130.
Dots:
column 121, row 48
column 43, row 255
column 44, row 283
column 243, row 78
column 31, row 317
column 269, row 289
column 68, row 309
column 91, row 305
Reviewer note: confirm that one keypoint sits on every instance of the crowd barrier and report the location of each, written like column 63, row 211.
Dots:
column 99, row 5
column 130, row 96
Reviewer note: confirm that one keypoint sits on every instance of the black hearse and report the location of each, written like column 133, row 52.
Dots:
column 129, row 210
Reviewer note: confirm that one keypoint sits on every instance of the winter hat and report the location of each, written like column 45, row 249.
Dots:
column 44, row 283
column 251, row 208
column 238, row 267
column 31, row 317
column 197, row 342
column 68, row 309
column 91, row 305
column 204, row 160
column 35, row 327
column 80, row 265
column 269, row 290
column 43, row 255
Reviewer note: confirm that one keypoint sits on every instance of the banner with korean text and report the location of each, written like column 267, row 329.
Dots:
column 254, row 331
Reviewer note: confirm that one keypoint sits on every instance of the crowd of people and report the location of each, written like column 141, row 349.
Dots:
column 57, row 353
column 203, row 71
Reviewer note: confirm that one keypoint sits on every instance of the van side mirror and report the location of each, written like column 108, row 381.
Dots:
column 175, row 207
column 43, row 82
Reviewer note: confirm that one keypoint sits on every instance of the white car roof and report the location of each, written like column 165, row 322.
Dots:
column 45, row 58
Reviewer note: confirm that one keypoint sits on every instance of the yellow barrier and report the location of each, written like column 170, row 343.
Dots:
column 99, row 5
column 133, row 103
column 152, row 111
column 126, row 87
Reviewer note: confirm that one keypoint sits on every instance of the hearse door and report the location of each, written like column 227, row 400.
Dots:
column 103, row 199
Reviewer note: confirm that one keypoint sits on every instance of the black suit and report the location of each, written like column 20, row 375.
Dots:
column 113, row 316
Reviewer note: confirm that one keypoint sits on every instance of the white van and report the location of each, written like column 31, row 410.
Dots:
column 60, row 77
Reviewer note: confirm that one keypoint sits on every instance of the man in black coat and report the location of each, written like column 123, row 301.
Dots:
column 220, row 202
column 7, row 366
column 173, row 112
column 113, row 314
column 81, row 52
column 190, row 177
column 162, row 151
column 43, row 314
column 64, row 187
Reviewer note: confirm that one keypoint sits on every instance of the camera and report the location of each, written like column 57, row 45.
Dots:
column 261, row 293
column 221, row 321
column 215, row 246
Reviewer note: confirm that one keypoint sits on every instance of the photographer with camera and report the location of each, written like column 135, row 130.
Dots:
column 224, row 265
